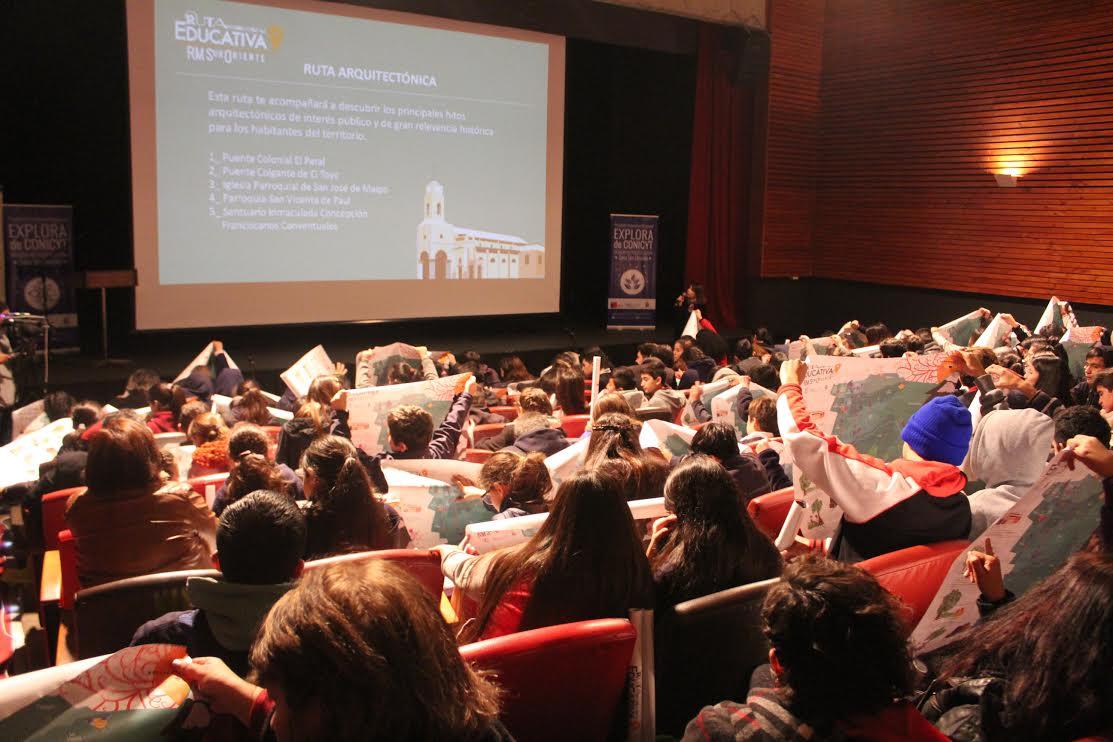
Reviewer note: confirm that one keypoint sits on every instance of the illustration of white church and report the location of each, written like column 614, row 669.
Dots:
column 447, row 251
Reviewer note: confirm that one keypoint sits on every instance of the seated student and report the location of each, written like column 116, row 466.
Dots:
column 1080, row 420
column 742, row 357
column 251, row 406
column 605, row 365
column 209, row 434
column 720, row 442
column 839, row 667
column 707, row 543
column 623, row 378
column 1103, row 387
column 615, row 436
column 569, row 392
column 608, row 403
column 585, row 561
column 189, row 413
column 765, row 376
column 484, row 374
column 251, row 469
column 135, row 391
column 1045, row 385
column 513, row 370
column 130, row 521
column 56, row 405
column 877, row 333
column 662, row 353
column 713, row 346
column 354, row 652
column 161, row 418
column 761, row 429
column 533, row 434
column 1098, row 360
column 515, row 484
column 410, row 433
column 259, row 543
column 198, row 384
column 529, row 401
column 694, row 365
column 398, row 373
column 310, row 422
column 916, row 499
column 893, row 348
column 1036, row 669
column 344, row 515
column 655, row 386
column 914, row 343
column 1008, row 452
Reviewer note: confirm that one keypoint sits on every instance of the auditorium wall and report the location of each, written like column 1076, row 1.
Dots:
column 889, row 180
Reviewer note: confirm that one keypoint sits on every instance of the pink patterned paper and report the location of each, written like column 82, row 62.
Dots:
column 131, row 679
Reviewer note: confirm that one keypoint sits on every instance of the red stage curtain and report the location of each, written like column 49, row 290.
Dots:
column 718, row 200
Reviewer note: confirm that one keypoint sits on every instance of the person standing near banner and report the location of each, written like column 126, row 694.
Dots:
column 691, row 300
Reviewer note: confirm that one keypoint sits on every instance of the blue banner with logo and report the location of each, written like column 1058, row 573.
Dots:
column 632, row 299
column 39, row 257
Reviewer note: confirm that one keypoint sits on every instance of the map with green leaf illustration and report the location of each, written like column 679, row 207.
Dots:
column 1059, row 526
column 451, row 515
column 872, row 412
column 964, row 330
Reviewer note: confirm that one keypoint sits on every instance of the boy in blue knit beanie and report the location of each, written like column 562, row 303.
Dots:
column 916, row 499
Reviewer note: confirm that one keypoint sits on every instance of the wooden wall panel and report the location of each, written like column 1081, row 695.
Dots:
column 922, row 100
column 795, row 60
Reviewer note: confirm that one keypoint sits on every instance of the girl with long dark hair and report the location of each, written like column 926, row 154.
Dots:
column 343, row 514
column 708, row 543
column 615, row 436
column 585, row 561
column 1038, row 669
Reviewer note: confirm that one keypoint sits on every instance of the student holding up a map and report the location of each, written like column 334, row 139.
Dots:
column 916, row 499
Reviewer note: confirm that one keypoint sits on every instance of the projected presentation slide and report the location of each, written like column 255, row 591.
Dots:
column 340, row 163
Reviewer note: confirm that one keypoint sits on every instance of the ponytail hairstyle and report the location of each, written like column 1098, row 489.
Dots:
column 343, row 515
column 323, row 389
column 614, row 440
column 251, row 469
column 317, row 414
column 251, row 407
column 207, row 427
column 526, row 478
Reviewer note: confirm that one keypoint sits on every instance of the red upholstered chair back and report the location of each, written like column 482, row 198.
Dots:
column 560, row 682
column 487, row 430
column 768, row 512
column 477, row 455
column 574, row 425
column 67, row 559
column 272, row 432
column 54, row 515
column 200, row 483
column 915, row 574
column 509, row 411
column 424, row 566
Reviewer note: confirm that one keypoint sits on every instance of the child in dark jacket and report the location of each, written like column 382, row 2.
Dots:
column 260, row 540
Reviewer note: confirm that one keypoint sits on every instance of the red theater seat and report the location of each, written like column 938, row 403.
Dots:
column 477, row 455
column 487, row 430
column 915, row 574
column 768, row 512
column 424, row 566
column 67, row 557
column 272, row 432
column 54, row 515
column 574, row 425
column 508, row 411
column 561, row 682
